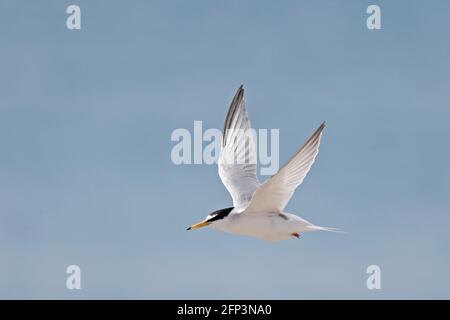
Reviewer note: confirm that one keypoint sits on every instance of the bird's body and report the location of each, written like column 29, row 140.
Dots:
column 267, row 226
column 258, row 209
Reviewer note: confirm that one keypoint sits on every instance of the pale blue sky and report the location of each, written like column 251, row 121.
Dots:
column 85, row 124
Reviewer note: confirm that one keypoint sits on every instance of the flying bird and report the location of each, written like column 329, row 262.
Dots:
column 257, row 209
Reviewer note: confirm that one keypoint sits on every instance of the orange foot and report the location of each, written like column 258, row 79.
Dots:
column 295, row 234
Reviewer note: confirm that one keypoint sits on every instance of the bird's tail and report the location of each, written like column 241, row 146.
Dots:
column 317, row 228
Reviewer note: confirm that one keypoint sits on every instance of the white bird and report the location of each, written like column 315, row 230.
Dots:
column 258, row 208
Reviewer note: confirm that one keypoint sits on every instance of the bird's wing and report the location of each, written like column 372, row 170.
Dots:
column 274, row 194
column 237, row 160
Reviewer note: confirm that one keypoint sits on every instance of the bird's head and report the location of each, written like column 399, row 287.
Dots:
column 213, row 217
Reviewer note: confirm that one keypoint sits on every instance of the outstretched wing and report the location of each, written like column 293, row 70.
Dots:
column 237, row 160
column 274, row 194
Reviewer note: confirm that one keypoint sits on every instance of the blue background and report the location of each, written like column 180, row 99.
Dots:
column 86, row 117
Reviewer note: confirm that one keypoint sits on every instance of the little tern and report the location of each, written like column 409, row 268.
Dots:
column 257, row 209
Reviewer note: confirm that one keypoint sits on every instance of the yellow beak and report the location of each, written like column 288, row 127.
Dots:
column 199, row 225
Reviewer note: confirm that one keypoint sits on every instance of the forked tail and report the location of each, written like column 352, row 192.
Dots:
column 317, row 228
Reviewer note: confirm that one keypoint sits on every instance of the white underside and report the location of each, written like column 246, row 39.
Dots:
column 266, row 226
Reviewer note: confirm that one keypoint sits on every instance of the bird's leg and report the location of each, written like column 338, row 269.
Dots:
column 295, row 234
